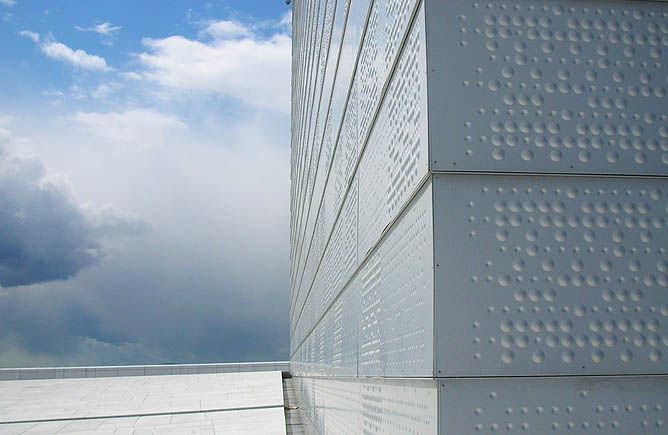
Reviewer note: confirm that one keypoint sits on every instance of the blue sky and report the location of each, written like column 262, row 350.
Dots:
column 144, row 181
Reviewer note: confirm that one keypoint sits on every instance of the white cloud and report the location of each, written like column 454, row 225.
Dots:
column 109, row 220
column 106, row 30
column 61, row 52
column 77, row 58
column 130, row 75
column 227, row 30
column 286, row 19
column 5, row 135
column 132, row 127
column 76, row 92
column 55, row 96
column 103, row 29
column 236, row 64
column 8, row 2
column 103, row 90
column 54, row 93
column 5, row 119
column 32, row 35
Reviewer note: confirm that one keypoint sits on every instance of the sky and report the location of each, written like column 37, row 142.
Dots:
column 144, row 181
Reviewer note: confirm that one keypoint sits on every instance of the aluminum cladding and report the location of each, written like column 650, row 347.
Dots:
column 548, row 86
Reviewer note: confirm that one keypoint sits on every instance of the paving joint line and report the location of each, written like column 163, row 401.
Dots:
column 150, row 414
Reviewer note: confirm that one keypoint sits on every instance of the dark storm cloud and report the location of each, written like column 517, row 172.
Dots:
column 208, row 284
column 44, row 234
column 148, row 308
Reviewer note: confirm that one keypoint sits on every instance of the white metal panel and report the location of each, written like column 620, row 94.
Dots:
column 397, row 284
column 579, row 405
column 338, row 264
column 395, row 158
column 353, row 406
column 308, row 158
column 334, row 340
column 346, row 312
column 385, row 30
column 394, row 291
column 550, row 275
column 548, row 86
column 345, row 150
column 344, row 159
column 357, row 14
column 301, row 139
column 323, row 140
column 341, row 260
column 406, row 103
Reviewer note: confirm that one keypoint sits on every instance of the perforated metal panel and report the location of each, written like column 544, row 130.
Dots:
column 548, row 86
column 331, row 349
column 387, row 308
column 327, row 195
column 316, row 175
column 396, row 284
column 395, row 158
column 582, row 405
column 345, row 318
column 405, row 103
column 345, row 157
column 340, row 260
column 352, row 406
column 385, row 30
column 550, row 275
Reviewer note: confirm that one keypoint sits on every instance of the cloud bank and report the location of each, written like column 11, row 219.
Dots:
column 236, row 62
column 194, row 138
column 46, row 235
column 144, row 127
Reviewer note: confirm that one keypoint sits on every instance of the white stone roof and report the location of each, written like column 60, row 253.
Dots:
column 248, row 403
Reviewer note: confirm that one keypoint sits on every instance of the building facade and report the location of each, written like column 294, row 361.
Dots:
column 479, row 215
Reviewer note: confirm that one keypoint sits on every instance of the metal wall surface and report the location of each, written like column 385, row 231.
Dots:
column 395, row 158
column 381, row 324
column 549, row 86
column 548, row 141
column 579, row 405
column 480, row 190
column 396, row 285
column 327, row 198
column 356, row 406
column 392, row 56
column 550, row 275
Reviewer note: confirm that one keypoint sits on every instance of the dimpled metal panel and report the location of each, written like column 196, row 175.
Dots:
column 357, row 14
column 550, row 275
column 582, row 405
column 331, row 349
column 345, row 315
column 395, row 158
column 353, row 406
column 338, row 264
column 385, row 29
column 548, row 86
column 345, row 150
column 309, row 159
column 344, row 158
column 396, row 283
column 340, row 260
